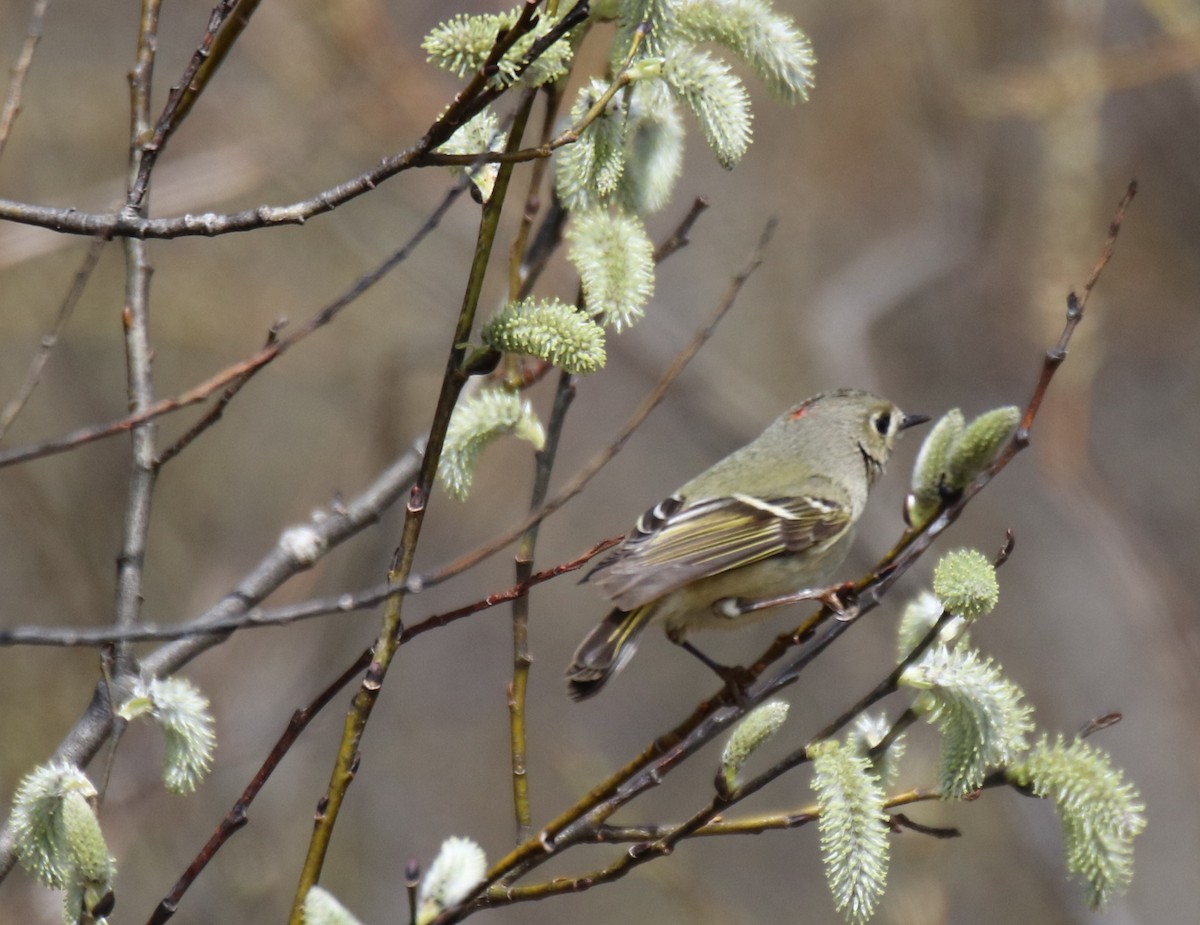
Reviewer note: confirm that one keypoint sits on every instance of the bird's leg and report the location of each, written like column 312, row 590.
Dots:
column 736, row 678
column 841, row 599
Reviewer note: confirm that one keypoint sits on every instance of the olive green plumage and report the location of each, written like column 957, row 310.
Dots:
column 772, row 518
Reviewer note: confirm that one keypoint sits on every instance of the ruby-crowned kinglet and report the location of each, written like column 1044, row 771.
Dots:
column 772, row 518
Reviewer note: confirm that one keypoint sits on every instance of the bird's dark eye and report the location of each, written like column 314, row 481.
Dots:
column 883, row 423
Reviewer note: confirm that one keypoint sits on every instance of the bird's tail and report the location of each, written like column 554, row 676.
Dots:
column 605, row 650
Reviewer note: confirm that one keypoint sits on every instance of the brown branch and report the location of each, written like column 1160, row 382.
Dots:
column 194, row 395
column 138, row 354
column 243, row 369
column 50, row 340
column 747, row 825
column 16, row 86
column 214, row 413
column 520, row 278
column 118, row 666
column 526, row 548
column 206, row 59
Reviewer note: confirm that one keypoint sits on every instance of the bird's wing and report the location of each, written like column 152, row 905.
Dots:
column 678, row 542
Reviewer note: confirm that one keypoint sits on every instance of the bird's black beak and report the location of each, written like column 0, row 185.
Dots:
column 912, row 420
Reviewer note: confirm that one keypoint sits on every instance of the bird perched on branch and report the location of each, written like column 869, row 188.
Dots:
column 775, row 517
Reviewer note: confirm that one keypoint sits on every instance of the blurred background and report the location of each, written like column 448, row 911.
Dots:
column 951, row 179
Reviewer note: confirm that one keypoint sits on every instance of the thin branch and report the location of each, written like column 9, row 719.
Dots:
column 50, row 340
column 243, row 369
column 218, row 39
column 390, row 628
column 157, row 409
column 16, row 86
column 901, row 821
column 543, row 466
column 746, row 825
column 526, row 548
column 216, row 412
column 118, row 667
column 679, row 237
column 470, row 100
column 67, row 637
column 138, row 351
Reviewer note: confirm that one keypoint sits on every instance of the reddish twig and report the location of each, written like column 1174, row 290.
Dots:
column 214, row 413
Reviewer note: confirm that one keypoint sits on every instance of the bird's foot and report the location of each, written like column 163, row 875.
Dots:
column 842, row 600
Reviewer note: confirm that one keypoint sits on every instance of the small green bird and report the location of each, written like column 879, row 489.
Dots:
column 775, row 517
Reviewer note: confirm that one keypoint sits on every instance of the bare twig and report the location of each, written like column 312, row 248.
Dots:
column 138, row 351
column 118, row 666
column 471, row 99
column 214, row 413
column 241, row 370
column 746, row 825
column 520, row 278
column 679, row 237
column 215, row 44
column 16, row 86
column 901, row 821
column 50, row 339
column 69, row 637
